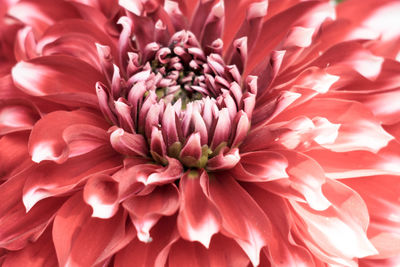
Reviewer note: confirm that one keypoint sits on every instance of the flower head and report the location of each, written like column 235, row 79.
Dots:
column 205, row 133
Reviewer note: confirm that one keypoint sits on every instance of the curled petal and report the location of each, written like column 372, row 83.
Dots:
column 101, row 193
column 224, row 160
column 128, row 144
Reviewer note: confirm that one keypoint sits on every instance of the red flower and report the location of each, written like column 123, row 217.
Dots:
column 199, row 133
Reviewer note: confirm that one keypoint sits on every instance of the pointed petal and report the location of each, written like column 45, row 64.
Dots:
column 146, row 210
column 198, row 219
column 242, row 218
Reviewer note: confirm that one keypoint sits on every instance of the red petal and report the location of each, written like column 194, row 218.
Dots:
column 188, row 254
column 339, row 231
column 150, row 254
column 58, row 77
column 37, row 254
column 224, row 161
column 50, row 179
column 242, row 219
column 305, row 177
column 146, row 210
column 13, row 152
column 198, row 219
column 46, row 13
column 381, row 194
column 101, row 193
column 46, row 141
column 84, row 241
column 261, row 167
column 16, row 117
column 17, row 226
column 282, row 250
column 128, row 144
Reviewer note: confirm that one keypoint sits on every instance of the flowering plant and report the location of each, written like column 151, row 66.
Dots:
column 199, row 133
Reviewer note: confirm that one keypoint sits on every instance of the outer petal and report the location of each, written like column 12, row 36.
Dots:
column 150, row 254
column 282, row 249
column 198, row 219
column 84, row 241
column 63, row 79
column 101, row 193
column 188, row 254
column 147, row 210
column 50, row 179
column 337, row 235
column 260, row 167
column 37, row 254
column 16, row 117
column 17, row 226
column 242, row 219
column 381, row 194
column 47, row 140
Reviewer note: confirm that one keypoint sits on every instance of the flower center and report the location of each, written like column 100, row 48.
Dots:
column 184, row 103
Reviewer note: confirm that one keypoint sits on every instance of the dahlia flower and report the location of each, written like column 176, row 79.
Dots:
column 199, row 133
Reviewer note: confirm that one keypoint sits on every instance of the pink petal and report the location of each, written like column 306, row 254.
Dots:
column 338, row 231
column 57, row 75
column 153, row 253
column 37, row 254
column 101, row 193
column 147, row 210
column 198, row 219
column 260, row 167
column 80, row 240
column 128, row 144
column 188, row 254
column 50, row 179
column 224, row 160
column 236, row 208
column 192, row 151
column 380, row 194
column 46, row 141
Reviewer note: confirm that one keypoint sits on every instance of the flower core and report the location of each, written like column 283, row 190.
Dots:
column 178, row 101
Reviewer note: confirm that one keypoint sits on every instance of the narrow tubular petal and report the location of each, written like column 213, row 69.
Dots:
column 198, row 218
